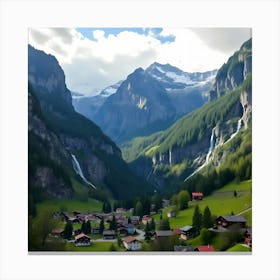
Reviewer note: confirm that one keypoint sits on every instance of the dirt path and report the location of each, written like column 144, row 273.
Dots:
column 244, row 211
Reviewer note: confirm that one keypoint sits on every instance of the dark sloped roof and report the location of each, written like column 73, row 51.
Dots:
column 181, row 248
column 164, row 233
column 109, row 232
column 236, row 219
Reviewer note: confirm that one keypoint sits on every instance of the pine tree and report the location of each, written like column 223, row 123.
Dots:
column 113, row 223
column 68, row 230
column 147, row 232
column 182, row 200
column 164, row 224
column 207, row 220
column 197, row 219
column 83, row 227
column 153, row 224
column 88, row 227
column 101, row 226
column 139, row 209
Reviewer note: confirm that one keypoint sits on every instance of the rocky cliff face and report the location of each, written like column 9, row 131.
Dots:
column 46, row 152
column 67, row 133
column 234, row 72
column 151, row 100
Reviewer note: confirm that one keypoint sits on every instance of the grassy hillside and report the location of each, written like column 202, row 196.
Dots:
column 186, row 131
column 221, row 202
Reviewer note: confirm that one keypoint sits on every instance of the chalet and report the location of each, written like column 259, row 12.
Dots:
column 109, row 234
column 130, row 229
column 146, row 219
column 197, row 196
column 162, row 234
column 74, row 220
column 248, row 237
column 135, row 220
column 77, row 231
column 207, row 248
column 76, row 213
column 181, row 248
column 177, row 231
column 187, row 232
column 57, row 232
column 96, row 230
column 82, row 240
column 165, row 203
column 64, row 216
column 120, row 210
column 171, row 214
column 131, row 243
column 229, row 221
column 122, row 219
column 122, row 231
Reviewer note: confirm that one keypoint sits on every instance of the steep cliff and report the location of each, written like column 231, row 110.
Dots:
column 234, row 72
column 98, row 159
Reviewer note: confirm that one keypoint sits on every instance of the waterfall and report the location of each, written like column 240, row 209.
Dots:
column 79, row 171
column 212, row 144
column 211, row 149
column 239, row 124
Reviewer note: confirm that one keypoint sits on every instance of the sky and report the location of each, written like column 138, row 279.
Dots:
column 94, row 58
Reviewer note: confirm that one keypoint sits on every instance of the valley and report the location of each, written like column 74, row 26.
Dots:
column 159, row 161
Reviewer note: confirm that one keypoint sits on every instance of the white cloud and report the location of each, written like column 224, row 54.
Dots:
column 92, row 64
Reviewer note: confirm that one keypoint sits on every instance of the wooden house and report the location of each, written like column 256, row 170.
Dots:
column 74, row 220
column 77, row 231
column 135, row 220
column 82, row 240
column 146, row 219
column 130, row 229
column 181, row 248
column 197, row 196
column 162, row 234
column 132, row 244
column 171, row 214
column 229, row 221
column 248, row 237
column 187, row 232
column 165, row 203
column 177, row 231
column 109, row 234
column 96, row 230
column 122, row 231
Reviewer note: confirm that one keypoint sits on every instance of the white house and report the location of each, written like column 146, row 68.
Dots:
column 132, row 244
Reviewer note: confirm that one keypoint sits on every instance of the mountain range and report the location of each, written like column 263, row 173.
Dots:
column 174, row 128
column 206, row 136
column 146, row 101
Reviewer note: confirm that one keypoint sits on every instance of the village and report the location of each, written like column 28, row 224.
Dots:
column 126, row 232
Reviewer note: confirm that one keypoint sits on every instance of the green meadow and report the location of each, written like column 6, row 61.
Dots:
column 221, row 202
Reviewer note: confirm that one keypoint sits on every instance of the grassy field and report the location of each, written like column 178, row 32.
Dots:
column 239, row 248
column 94, row 247
column 221, row 202
column 91, row 205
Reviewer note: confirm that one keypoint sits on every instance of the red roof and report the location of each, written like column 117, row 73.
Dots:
column 129, row 239
column 197, row 194
column 80, row 236
column 206, row 248
column 177, row 230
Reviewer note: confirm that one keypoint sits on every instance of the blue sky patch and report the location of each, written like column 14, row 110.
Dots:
column 87, row 32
